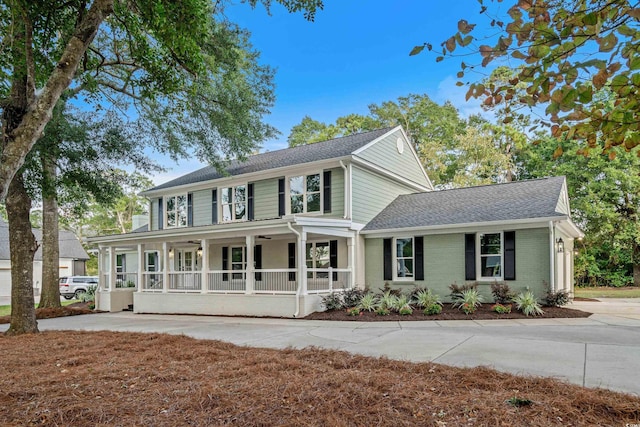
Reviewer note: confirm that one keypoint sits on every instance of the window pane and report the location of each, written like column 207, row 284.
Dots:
column 322, row 252
column 490, row 244
column 171, row 204
column 225, row 196
column 296, row 185
column 297, row 205
column 240, row 210
column 490, row 266
column 309, row 252
column 240, row 193
column 313, row 183
column 226, row 212
column 171, row 219
column 405, row 267
column 182, row 202
column 404, row 248
column 313, row 202
column 236, row 255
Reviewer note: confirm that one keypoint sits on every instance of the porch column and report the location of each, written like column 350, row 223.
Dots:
column 302, row 262
column 165, row 267
column 140, row 266
column 351, row 256
column 112, row 268
column 204, row 280
column 250, row 276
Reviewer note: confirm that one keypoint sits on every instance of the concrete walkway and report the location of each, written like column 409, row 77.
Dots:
column 600, row 351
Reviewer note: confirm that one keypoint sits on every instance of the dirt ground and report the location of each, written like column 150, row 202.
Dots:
column 127, row 379
column 50, row 313
column 448, row 313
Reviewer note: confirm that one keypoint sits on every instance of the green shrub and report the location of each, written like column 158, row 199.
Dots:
column 353, row 311
column 502, row 293
column 526, row 302
column 468, row 301
column 387, row 300
column 369, row 302
column 413, row 295
column 387, row 290
column 425, row 298
column 400, row 302
column 433, row 309
column 333, row 301
column 352, row 297
column 406, row 310
column 501, row 309
column 382, row 311
column 456, row 290
column 557, row 299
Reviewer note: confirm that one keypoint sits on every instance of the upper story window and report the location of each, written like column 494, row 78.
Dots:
column 176, row 211
column 304, row 193
column 233, row 201
column 490, row 254
column 404, row 258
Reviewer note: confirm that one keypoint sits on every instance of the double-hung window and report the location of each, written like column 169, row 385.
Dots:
column 404, row 258
column 318, row 256
column 304, row 193
column 176, row 211
column 238, row 261
column 234, row 203
column 490, row 254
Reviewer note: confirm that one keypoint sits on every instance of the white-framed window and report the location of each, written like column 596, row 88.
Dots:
column 318, row 256
column 305, row 193
column 121, row 260
column 186, row 260
column 489, row 257
column 404, row 258
column 238, row 261
column 176, row 211
column 151, row 259
column 233, row 203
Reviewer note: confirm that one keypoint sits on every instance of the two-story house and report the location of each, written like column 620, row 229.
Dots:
column 270, row 235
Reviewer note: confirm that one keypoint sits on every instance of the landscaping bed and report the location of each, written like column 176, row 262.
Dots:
column 50, row 313
column 483, row 312
column 108, row 378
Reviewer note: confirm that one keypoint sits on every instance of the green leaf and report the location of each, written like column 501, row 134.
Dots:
column 416, row 50
column 590, row 18
column 607, row 43
column 439, row 58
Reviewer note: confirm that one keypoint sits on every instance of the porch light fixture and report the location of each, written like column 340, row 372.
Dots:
column 200, row 252
column 560, row 243
column 170, row 253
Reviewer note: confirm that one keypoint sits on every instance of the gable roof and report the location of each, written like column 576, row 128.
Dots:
column 330, row 149
column 70, row 246
column 520, row 200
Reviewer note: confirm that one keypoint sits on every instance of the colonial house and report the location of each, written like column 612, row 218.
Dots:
column 71, row 262
column 270, row 235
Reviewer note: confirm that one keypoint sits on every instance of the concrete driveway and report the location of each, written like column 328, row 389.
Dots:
column 600, row 351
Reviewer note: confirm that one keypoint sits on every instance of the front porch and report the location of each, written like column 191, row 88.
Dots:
column 281, row 274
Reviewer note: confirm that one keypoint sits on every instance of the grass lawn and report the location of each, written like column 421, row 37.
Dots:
column 607, row 292
column 109, row 378
column 5, row 310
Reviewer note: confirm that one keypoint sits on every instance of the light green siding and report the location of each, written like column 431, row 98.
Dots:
column 337, row 193
column 444, row 264
column 202, row 207
column 153, row 215
column 265, row 199
column 371, row 193
column 385, row 154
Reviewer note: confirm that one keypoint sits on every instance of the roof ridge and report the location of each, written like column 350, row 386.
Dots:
column 496, row 184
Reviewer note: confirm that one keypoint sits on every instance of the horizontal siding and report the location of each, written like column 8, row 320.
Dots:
column 337, row 193
column 265, row 199
column 444, row 264
column 153, row 216
column 202, row 207
column 385, row 154
column 372, row 193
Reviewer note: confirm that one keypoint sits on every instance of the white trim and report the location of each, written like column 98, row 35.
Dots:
column 165, row 210
column 375, row 141
column 479, row 276
column 321, row 221
column 287, row 190
column 219, row 204
column 454, row 228
column 325, row 231
column 394, row 259
column 359, row 161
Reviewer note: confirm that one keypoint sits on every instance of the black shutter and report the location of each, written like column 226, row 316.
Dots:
column 326, row 191
column 257, row 260
column 214, row 206
column 509, row 255
column 292, row 261
column 281, row 211
column 225, row 262
column 418, row 246
column 470, row 257
column 189, row 209
column 333, row 257
column 160, row 214
column 250, row 202
column 387, row 259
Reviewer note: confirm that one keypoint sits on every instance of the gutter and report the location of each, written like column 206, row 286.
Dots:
column 297, row 233
column 552, row 258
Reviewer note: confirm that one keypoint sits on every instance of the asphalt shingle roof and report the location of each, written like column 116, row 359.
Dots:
column 69, row 245
column 333, row 148
column 530, row 199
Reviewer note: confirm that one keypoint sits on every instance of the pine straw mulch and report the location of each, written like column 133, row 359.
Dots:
column 110, row 378
column 448, row 313
column 51, row 312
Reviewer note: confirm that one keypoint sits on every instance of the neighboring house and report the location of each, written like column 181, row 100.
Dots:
column 72, row 259
column 271, row 234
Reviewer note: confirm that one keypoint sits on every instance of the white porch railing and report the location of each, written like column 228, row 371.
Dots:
column 227, row 281
column 151, row 282
column 276, row 281
column 127, row 280
column 323, row 280
column 185, row 281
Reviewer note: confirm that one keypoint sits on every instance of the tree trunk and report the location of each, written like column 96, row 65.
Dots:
column 50, row 296
column 19, row 142
column 23, row 246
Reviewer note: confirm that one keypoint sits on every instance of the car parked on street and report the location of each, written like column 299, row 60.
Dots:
column 73, row 286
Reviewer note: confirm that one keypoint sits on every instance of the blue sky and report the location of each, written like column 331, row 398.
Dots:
column 354, row 54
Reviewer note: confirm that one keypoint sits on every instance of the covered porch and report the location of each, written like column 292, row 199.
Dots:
column 278, row 270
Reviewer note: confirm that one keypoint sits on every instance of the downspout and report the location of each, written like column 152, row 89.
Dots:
column 552, row 256
column 347, row 196
column 297, row 233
